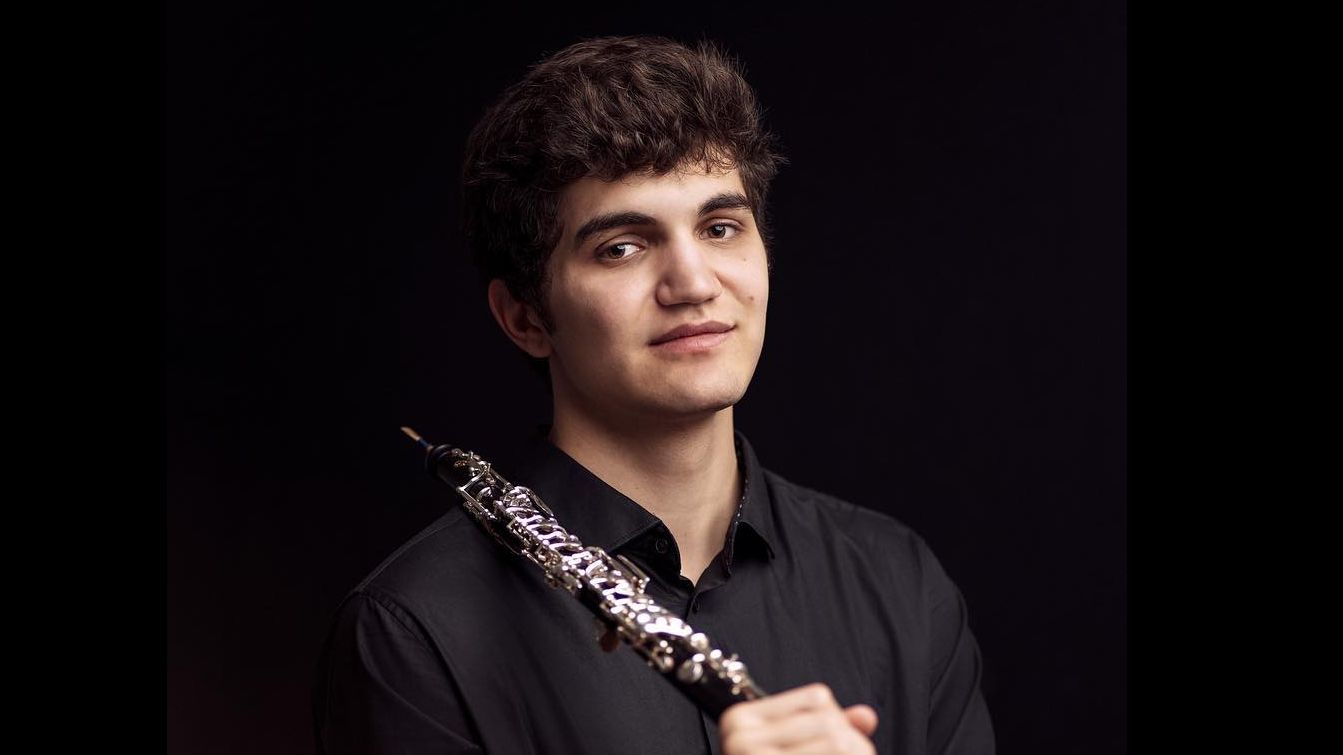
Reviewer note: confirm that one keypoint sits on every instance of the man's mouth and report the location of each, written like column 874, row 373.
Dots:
column 693, row 330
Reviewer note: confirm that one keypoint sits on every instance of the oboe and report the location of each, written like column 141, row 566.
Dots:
column 611, row 587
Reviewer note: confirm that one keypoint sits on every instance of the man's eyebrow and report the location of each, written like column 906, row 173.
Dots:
column 608, row 221
column 727, row 200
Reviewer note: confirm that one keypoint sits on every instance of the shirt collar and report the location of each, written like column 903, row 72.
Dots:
column 598, row 514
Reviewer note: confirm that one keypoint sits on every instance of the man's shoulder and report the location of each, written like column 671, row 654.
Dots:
column 810, row 513
column 421, row 567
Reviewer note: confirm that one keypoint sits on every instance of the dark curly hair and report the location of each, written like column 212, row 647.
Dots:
column 605, row 108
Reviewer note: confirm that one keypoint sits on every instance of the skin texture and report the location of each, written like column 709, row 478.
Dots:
column 806, row 719
column 624, row 287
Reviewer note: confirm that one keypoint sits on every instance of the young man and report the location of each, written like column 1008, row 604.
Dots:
column 615, row 199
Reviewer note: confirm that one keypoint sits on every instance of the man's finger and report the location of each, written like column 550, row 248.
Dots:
column 806, row 697
column 863, row 717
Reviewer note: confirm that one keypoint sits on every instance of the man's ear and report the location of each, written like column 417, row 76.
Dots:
column 518, row 321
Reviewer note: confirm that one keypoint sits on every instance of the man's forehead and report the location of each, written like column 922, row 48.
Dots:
column 681, row 190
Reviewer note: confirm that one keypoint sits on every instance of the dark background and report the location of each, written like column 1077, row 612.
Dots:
column 947, row 337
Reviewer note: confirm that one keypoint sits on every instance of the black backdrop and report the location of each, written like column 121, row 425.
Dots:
column 946, row 343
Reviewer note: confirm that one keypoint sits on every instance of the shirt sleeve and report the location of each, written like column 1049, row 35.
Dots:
column 382, row 688
column 958, row 718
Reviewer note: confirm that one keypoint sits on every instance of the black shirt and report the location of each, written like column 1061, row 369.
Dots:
column 454, row 645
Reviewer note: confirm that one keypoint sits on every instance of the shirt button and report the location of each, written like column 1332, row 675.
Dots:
column 660, row 545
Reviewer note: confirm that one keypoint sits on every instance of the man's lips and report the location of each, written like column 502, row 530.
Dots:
column 688, row 330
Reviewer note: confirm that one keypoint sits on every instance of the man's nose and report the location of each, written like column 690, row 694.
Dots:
column 688, row 274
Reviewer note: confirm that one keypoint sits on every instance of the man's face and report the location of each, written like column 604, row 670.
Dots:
column 638, row 258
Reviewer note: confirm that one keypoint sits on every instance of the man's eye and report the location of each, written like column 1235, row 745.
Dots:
column 723, row 230
column 617, row 251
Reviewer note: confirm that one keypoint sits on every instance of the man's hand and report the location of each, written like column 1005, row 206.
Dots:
column 805, row 719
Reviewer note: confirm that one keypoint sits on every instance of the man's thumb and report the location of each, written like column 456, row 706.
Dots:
column 863, row 718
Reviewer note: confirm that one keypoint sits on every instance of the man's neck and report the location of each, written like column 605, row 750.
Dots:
column 685, row 474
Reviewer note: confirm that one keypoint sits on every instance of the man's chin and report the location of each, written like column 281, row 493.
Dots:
column 700, row 405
